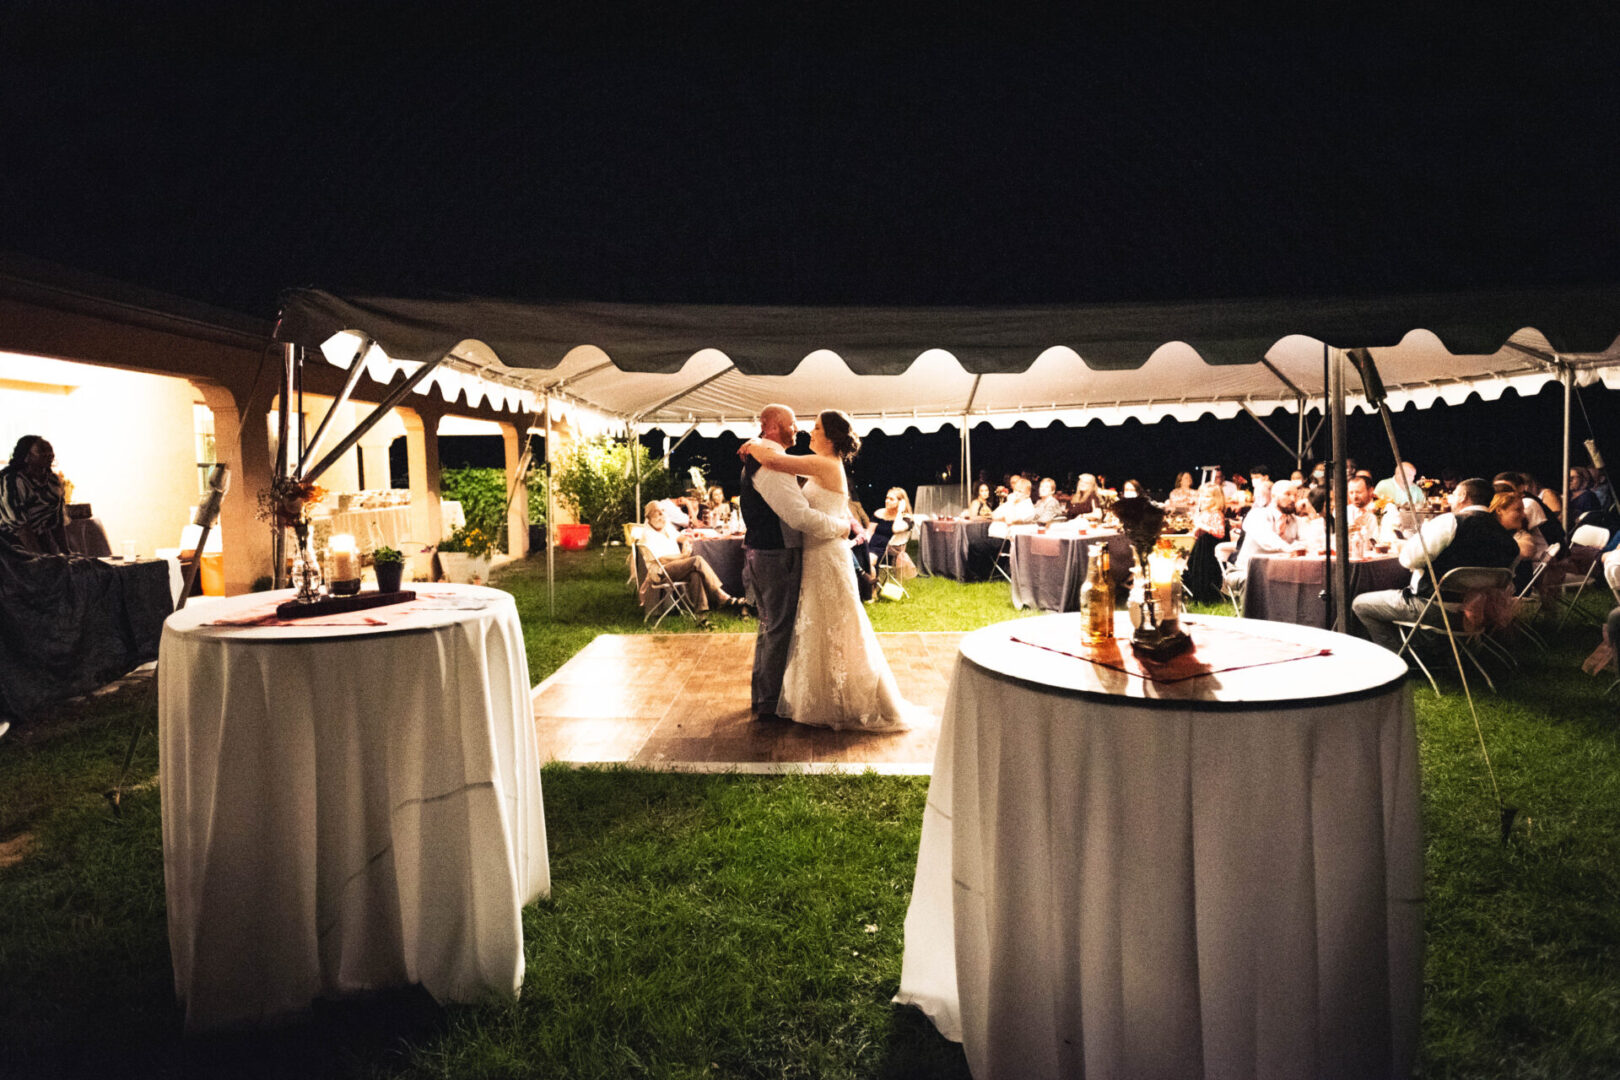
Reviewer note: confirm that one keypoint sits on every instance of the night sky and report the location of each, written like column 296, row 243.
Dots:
column 224, row 152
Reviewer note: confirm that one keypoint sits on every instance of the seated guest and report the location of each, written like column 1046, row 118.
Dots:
column 1402, row 488
column 1310, row 517
column 889, row 525
column 1296, row 478
column 1270, row 530
column 1183, row 498
column 1362, row 518
column 33, row 510
column 982, row 506
column 1535, row 511
column 1583, row 496
column 1468, row 536
column 674, row 552
column 1017, row 510
column 675, row 512
column 1209, row 531
column 1509, row 510
column 1551, row 501
column 1262, row 491
column 984, row 550
column 718, row 511
column 1130, row 489
column 1047, row 507
column 1229, row 488
column 1086, row 501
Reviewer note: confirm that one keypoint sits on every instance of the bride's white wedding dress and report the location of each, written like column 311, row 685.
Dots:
column 837, row 675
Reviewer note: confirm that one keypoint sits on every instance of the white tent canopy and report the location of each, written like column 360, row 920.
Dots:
column 633, row 372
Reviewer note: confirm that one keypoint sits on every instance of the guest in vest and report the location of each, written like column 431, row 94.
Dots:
column 1468, row 536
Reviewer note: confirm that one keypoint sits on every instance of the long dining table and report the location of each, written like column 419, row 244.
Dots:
column 1288, row 588
column 942, row 545
column 1207, row 868
column 1048, row 567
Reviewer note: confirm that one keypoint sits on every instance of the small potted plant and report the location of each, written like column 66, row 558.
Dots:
column 464, row 555
column 390, row 566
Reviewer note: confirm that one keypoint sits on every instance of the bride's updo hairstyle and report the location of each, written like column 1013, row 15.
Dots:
column 840, row 432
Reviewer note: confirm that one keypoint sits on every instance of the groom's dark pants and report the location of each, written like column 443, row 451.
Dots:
column 772, row 579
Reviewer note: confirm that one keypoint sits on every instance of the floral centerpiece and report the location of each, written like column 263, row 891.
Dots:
column 290, row 503
column 1160, row 636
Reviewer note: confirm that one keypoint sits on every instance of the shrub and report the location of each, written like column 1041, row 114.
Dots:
column 482, row 495
column 597, row 480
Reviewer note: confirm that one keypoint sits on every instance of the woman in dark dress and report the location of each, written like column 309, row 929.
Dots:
column 1204, row 578
column 891, row 521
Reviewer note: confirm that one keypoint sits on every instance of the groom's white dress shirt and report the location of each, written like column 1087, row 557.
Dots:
column 782, row 494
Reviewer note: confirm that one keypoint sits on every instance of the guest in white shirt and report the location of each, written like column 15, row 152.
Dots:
column 1270, row 530
column 1362, row 517
column 1017, row 510
column 673, row 553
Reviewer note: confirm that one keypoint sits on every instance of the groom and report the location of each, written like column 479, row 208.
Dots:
column 777, row 516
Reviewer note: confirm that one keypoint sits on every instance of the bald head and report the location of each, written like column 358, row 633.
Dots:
column 778, row 424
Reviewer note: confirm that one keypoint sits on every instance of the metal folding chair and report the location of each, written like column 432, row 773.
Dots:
column 1003, row 563
column 1458, row 581
column 1592, row 536
column 660, row 594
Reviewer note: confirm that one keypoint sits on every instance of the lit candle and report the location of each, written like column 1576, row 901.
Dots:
column 345, row 559
column 1162, row 572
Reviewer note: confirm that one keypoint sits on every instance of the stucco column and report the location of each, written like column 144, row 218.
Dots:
column 242, row 441
column 421, row 420
column 517, row 514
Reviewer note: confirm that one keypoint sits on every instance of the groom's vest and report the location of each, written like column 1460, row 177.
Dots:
column 764, row 527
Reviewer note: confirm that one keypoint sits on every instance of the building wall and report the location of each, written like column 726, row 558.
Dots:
column 124, row 438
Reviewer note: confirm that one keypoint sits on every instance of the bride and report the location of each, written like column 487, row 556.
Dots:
column 837, row 675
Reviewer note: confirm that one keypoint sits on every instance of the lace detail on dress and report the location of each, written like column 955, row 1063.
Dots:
column 837, row 675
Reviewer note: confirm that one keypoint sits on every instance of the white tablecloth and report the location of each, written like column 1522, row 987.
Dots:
column 347, row 807
column 1220, row 877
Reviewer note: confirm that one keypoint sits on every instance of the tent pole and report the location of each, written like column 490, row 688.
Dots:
column 1569, row 395
column 278, row 538
column 967, row 454
column 551, row 517
column 635, row 456
column 1299, row 442
column 1339, row 557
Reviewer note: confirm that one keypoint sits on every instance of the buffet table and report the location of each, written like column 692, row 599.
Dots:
column 376, row 526
column 1049, row 568
column 725, row 555
column 1287, row 588
column 349, row 803
column 1220, row 876
column 938, row 500
column 942, row 545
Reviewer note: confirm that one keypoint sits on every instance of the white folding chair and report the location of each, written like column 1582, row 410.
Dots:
column 1527, row 604
column 660, row 594
column 888, row 572
column 1590, row 536
column 1459, row 581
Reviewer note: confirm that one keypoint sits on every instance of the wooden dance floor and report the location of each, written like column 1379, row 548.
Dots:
column 680, row 701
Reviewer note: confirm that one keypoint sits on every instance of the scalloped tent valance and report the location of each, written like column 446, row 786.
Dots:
column 714, row 366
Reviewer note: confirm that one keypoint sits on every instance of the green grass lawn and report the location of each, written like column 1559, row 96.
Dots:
column 708, row 926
